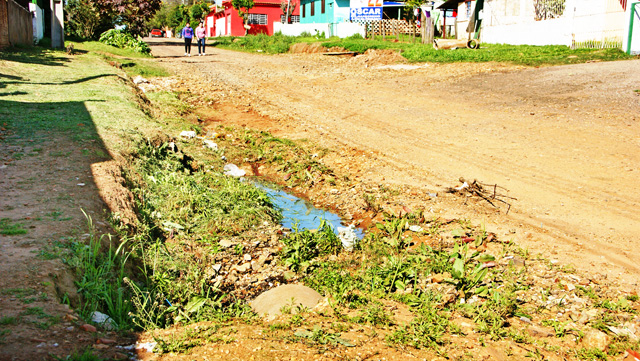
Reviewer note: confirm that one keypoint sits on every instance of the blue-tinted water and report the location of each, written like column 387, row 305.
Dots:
column 301, row 212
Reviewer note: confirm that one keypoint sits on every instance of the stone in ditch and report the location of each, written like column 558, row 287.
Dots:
column 272, row 301
column 225, row 243
column 242, row 268
column 595, row 339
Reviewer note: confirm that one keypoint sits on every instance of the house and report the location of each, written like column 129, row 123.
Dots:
column 226, row 21
column 575, row 23
column 324, row 11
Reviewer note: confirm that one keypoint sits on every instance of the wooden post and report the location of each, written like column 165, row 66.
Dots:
column 423, row 29
column 383, row 28
column 428, row 26
column 398, row 30
column 413, row 31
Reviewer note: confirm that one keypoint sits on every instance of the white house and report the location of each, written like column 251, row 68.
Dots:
column 575, row 23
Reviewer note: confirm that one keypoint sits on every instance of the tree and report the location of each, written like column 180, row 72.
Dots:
column 243, row 7
column 198, row 12
column 134, row 14
column 83, row 19
column 287, row 7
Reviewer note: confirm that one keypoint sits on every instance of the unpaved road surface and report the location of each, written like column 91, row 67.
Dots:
column 564, row 141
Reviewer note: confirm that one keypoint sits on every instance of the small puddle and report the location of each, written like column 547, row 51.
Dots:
column 301, row 212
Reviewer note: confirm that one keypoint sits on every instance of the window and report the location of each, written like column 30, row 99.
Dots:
column 294, row 19
column 257, row 19
column 312, row 7
column 322, row 6
column 304, row 7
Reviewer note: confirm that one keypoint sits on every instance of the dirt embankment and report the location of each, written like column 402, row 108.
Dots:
column 562, row 141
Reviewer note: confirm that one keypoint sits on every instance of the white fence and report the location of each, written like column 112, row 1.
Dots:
column 341, row 30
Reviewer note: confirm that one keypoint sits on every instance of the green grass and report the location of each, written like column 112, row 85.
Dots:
column 275, row 44
column 416, row 52
column 42, row 319
column 133, row 63
column 7, row 320
column 8, row 228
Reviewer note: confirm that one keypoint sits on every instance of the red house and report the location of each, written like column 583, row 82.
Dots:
column 227, row 22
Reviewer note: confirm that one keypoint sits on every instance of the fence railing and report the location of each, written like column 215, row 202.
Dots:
column 389, row 27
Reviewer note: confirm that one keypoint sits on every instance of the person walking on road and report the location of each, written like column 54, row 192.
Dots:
column 187, row 35
column 200, row 34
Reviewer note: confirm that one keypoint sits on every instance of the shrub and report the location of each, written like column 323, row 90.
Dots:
column 121, row 39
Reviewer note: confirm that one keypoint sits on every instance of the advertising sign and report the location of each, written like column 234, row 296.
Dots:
column 366, row 13
column 365, row 3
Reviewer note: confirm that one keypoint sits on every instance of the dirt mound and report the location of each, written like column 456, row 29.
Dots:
column 380, row 57
column 307, row 48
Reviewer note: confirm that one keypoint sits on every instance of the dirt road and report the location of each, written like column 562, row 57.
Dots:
column 565, row 141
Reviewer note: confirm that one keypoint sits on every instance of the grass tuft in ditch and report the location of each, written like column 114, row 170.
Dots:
column 9, row 228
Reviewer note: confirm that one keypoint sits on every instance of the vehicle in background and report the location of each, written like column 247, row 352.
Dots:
column 156, row 33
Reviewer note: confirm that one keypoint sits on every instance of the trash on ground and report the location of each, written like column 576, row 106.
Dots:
column 233, row 170
column 103, row 320
column 348, row 237
column 188, row 134
column 210, row 144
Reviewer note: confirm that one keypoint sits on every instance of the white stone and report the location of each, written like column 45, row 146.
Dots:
column 188, row 134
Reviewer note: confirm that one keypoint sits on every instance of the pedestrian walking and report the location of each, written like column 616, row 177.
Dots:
column 200, row 34
column 187, row 35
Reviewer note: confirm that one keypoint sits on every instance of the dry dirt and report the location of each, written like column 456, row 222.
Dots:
column 564, row 141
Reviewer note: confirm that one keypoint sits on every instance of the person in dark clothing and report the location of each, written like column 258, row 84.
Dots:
column 187, row 35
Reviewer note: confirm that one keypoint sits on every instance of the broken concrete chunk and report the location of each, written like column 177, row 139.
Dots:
column 272, row 301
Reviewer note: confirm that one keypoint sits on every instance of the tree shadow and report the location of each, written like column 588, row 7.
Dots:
column 3, row 84
column 34, row 55
column 41, row 121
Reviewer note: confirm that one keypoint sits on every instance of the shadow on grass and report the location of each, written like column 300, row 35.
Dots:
column 67, row 82
column 35, row 55
column 70, row 121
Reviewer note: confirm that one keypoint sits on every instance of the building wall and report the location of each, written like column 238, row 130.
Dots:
column 318, row 16
column 517, row 22
column 634, row 46
column 235, row 26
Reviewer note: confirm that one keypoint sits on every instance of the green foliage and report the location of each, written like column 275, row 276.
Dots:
column 243, row 7
column 133, row 14
column 100, row 278
column 86, row 355
column 198, row 12
column 82, row 19
column 175, row 199
column 427, row 330
column 121, row 39
column 318, row 336
column 275, row 44
column 466, row 276
column 8, row 228
column 302, row 247
column 516, row 54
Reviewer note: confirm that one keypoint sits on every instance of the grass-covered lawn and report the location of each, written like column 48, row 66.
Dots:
column 417, row 52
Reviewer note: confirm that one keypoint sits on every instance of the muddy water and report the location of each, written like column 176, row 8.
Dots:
column 300, row 212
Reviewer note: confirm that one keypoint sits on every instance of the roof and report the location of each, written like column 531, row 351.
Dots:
column 450, row 5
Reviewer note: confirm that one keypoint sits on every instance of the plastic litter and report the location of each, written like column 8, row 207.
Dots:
column 103, row 320
column 188, row 134
column 348, row 237
column 210, row 144
column 233, row 170
column 139, row 79
column 463, row 186
column 415, row 229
